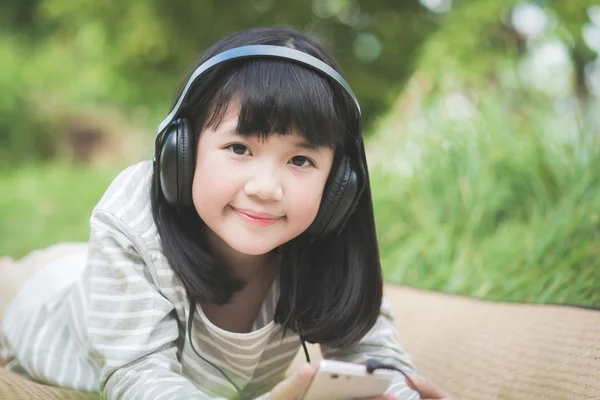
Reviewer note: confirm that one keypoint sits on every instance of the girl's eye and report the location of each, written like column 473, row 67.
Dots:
column 239, row 149
column 301, row 161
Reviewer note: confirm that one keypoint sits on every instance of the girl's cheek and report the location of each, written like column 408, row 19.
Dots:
column 307, row 194
column 307, row 203
column 216, row 169
column 219, row 180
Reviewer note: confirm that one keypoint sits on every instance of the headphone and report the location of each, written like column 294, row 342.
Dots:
column 174, row 155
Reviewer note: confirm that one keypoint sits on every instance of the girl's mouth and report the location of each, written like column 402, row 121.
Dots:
column 256, row 217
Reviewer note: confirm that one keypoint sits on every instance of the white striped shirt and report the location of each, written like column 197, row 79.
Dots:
column 121, row 327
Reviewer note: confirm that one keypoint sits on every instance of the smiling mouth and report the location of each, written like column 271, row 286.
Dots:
column 256, row 218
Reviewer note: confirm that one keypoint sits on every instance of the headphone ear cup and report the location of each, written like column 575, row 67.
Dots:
column 337, row 200
column 185, row 163
column 176, row 164
column 167, row 165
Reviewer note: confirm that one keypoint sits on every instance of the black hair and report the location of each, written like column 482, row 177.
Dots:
column 331, row 290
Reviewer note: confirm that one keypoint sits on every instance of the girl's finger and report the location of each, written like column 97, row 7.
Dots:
column 294, row 386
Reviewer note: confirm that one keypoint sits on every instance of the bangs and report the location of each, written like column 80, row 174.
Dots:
column 277, row 96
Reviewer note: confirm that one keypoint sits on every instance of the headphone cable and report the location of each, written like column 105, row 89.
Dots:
column 189, row 332
column 373, row 365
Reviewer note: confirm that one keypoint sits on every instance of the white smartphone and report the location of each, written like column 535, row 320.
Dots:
column 336, row 380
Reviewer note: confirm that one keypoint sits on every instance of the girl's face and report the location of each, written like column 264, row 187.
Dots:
column 257, row 194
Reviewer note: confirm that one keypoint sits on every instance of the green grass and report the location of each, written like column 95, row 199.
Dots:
column 46, row 204
column 503, row 206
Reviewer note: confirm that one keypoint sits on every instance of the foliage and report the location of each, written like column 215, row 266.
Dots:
column 24, row 133
column 131, row 54
column 503, row 204
column 472, row 43
column 62, row 55
column 476, row 39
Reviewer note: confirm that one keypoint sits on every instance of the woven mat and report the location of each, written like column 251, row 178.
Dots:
column 487, row 350
column 476, row 350
column 15, row 387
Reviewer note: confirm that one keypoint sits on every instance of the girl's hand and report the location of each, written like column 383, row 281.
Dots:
column 293, row 387
column 427, row 389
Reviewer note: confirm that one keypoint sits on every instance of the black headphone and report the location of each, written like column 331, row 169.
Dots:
column 174, row 156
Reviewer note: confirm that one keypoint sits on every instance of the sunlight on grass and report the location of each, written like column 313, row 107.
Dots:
column 45, row 204
column 491, row 207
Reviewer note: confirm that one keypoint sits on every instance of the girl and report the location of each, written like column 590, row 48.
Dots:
column 251, row 232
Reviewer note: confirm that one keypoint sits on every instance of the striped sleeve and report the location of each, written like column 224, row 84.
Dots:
column 130, row 328
column 380, row 343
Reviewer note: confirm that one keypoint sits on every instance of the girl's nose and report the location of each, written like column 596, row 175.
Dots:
column 264, row 185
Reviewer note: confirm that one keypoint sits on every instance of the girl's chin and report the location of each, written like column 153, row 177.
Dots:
column 252, row 251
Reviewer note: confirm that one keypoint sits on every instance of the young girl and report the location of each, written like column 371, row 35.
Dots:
column 252, row 232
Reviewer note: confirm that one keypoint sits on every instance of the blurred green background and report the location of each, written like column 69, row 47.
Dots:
column 483, row 124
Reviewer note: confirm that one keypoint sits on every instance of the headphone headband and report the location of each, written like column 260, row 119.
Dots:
column 258, row 51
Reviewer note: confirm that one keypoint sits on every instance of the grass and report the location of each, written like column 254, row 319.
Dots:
column 504, row 205
column 43, row 204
